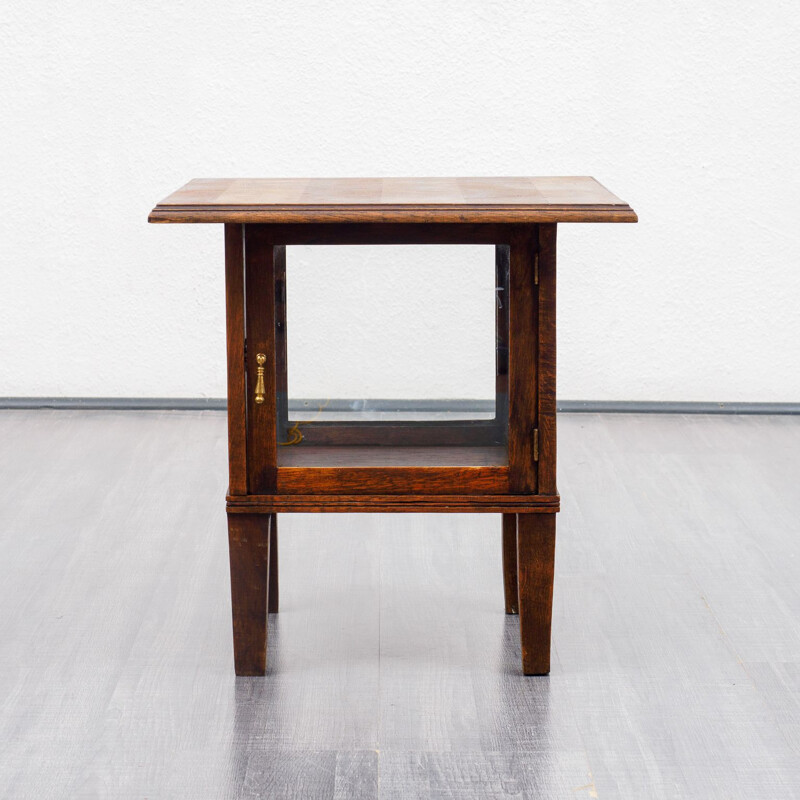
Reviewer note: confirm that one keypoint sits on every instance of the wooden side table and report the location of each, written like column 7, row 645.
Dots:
column 504, row 465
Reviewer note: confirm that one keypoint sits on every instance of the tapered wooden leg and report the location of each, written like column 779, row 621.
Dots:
column 248, row 540
column 536, row 548
column 510, row 563
column 273, row 565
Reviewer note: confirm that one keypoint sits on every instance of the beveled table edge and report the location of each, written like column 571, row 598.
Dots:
column 509, row 214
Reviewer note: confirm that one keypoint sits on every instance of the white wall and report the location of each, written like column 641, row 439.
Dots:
column 687, row 110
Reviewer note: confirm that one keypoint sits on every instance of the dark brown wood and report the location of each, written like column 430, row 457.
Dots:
column 273, row 596
column 392, row 480
column 522, row 200
column 506, row 465
column 522, row 355
column 281, row 344
column 235, row 334
column 547, row 360
column 248, row 541
column 445, row 503
column 390, row 233
column 501, row 268
column 510, row 563
column 262, row 456
column 536, row 549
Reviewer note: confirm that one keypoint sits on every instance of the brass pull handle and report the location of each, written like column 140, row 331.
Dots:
column 261, row 359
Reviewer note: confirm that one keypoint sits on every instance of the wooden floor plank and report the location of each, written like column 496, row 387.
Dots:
column 394, row 671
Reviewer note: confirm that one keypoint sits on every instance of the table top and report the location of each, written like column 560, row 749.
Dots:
column 313, row 200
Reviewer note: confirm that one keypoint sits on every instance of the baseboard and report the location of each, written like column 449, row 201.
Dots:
column 118, row 403
column 673, row 407
column 565, row 406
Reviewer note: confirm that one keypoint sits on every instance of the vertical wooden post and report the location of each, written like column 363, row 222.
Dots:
column 273, row 565
column 235, row 340
column 501, row 268
column 510, row 563
column 536, row 548
column 547, row 360
column 249, row 545
column 281, row 370
column 262, row 455
column 249, row 535
column 522, row 355
column 532, row 407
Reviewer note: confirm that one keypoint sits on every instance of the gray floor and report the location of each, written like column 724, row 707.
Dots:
column 393, row 671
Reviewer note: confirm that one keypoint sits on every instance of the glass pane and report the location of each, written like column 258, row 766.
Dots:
column 395, row 355
column 391, row 332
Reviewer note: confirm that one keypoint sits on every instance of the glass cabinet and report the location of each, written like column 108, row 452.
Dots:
column 392, row 356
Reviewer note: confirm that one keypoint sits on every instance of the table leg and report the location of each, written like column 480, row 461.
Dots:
column 510, row 563
column 249, row 540
column 273, row 564
column 536, row 546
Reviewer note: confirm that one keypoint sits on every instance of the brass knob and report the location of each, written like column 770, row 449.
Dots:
column 261, row 359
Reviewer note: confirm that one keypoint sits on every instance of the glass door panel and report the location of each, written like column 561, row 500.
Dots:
column 393, row 347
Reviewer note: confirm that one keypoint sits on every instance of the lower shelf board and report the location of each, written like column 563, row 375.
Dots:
column 391, row 470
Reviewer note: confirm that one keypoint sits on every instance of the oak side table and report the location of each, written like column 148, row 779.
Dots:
column 503, row 464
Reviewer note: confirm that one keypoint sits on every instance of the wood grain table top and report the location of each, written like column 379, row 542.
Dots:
column 447, row 200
